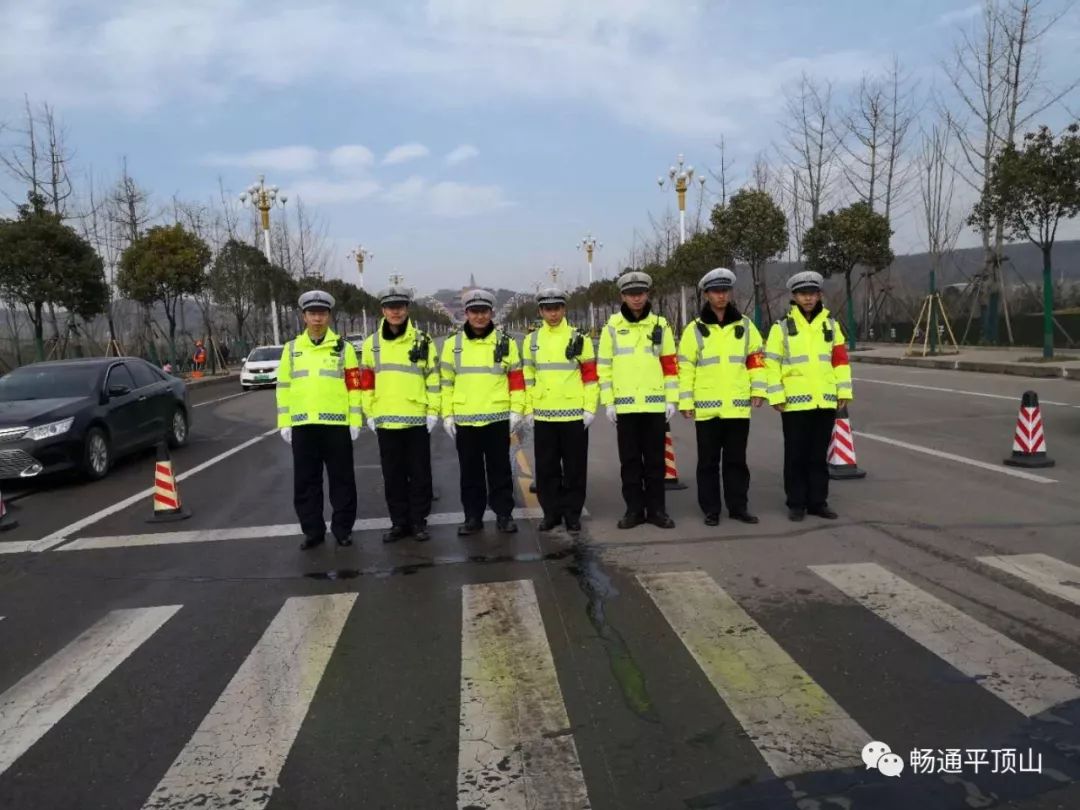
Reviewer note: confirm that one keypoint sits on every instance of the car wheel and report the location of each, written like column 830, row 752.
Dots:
column 245, row 387
column 97, row 457
column 177, row 434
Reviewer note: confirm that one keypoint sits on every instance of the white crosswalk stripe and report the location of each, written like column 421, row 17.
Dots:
column 1043, row 571
column 791, row 720
column 41, row 699
column 234, row 757
column 515, row 750
column 1023, row 679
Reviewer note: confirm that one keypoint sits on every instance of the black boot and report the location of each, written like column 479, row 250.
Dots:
column 420, row 533
column 549, row 523
column 630, row 520
column 823, row 512
column 744, row 517
column 470, row 526
column 796, row 515
column 396, row 533
column 573, row 524
column 344, row 540
column 662, row 520
column 310, row 541
column 506, row 525
column 712, row 519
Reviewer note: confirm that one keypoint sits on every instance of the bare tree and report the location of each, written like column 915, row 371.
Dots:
column 937, row 182
column 722, row 174
column 865, row 124
column 901, row 92
column 128, row 213
column 811, row 142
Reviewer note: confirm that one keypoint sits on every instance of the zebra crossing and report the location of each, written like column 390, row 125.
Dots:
column 517, row 740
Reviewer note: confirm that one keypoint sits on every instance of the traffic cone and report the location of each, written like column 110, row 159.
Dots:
column 167, row 505
column 6, row 521
column 1029, row 441
column 842, row 449
column 671, row 470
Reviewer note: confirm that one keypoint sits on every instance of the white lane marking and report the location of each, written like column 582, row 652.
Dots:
column 791, row 720
column 62, row 535
column 1023, row 679
column 41, row 699
column 236, row 754
column 982, row 465
column 1015, row 399
column 219, row 399
column 1041, row 570
column 261, row 532
column 516, row 750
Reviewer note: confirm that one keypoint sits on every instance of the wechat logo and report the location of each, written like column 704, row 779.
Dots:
column 878, row 755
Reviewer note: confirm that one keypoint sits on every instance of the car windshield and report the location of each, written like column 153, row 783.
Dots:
column 47, row 382
column 264, row 354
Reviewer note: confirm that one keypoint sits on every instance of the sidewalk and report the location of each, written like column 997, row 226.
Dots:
column 1023, row 361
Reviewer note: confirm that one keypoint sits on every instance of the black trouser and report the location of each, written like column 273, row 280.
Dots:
column 722, row 442
column 562, row 460
column 806, row 449
column 641, row 461
column 315, row 446
column 484, row 456
column 405, row 454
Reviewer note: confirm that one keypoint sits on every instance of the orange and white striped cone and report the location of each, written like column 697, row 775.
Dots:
column 6, row 521
column 1029, row 441
column 671, row 469
column 167, row 506
column 842, row 449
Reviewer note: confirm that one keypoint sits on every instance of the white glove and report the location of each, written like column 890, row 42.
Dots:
column 432, row 421
column 669, row 411
column 611, row 415
column 449, row 426
column 286, row 434
column 587, row 418
column 515, row 421
column 530, row 420
column 371, row 424
column 354, row 433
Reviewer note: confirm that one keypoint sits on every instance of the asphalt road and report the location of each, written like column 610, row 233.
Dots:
column 210, row 663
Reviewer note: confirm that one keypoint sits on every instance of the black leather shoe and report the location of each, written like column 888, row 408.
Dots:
column 311, row 542
column 549, row 524
column 796, row 514
column 506, row 525
column 396, row 533
column 344, row 541
column 712, row 519
column 630, row 520
column 823, row 512
column 573, row 524
column 420, row 533
column 744, row 517
column 470, row 527
column 662, row 520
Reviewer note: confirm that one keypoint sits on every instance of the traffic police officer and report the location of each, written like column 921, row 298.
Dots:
column 808, row 377
column 319, row 414
column 639, row 388
column 560, row 395
column 721, row 375
column 400, row 383
column 483, row 400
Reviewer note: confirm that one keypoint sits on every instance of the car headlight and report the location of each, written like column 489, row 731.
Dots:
column 49, row 430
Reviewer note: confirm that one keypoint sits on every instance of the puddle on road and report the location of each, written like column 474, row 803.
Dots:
column 406, row 569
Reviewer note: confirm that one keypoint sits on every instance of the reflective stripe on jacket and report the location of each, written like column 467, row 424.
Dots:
column 806, row 362
column 637, row 375
column 477, row 391
column 720, row 371
column 319, row 385
column 558, row 389
column 398, row 392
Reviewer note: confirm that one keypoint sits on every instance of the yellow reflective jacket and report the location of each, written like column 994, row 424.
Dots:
column 477, row 390
column 557, row 388
column 400, row 378
column 720, row 367
column 636, row 364
column 319, row 385
column 806, row 362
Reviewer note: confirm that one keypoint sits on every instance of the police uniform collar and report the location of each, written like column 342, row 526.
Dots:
column 645, row 313
column 388, row 334
column 471, row 334
column 731, row 315
column 328, row 337
column 563, row 324
column 809, row 317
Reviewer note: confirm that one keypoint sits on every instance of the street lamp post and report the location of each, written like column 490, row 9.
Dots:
column 361, row 255
column 263, row 197
column 589, row 244
column 680, row 176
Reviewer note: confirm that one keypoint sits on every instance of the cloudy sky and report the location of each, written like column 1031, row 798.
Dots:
column 457, row 136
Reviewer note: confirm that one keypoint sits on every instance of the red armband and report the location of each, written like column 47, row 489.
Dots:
column 352, row 379
column 367, row 379
column 516, row 378
column 588, row 372
column 839, row 355
column 755, row 360
column 670, row 365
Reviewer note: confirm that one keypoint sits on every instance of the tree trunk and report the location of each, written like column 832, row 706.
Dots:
column 39, row 336
column 1048, row 303
column 850, row 312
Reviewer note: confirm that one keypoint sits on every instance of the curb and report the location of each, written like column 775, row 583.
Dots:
column 1015, row 369
column 210, row 382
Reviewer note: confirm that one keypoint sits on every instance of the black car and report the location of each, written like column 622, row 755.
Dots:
column 83, row 414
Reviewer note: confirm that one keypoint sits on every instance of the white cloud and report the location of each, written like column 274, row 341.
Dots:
column 960, row 15
column 351, row 156
column 328, row 192
column 407, row 191
column 461, row 154
column 282, row 159
column 447, row 199
column 404, row 153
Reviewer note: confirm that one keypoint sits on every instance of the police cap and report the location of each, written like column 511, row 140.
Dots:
column 806, row 281
column 718, row 279
column 395, row 294
column 314, row 299
column 552, row 296
column 634, row 281
column 477, row 299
